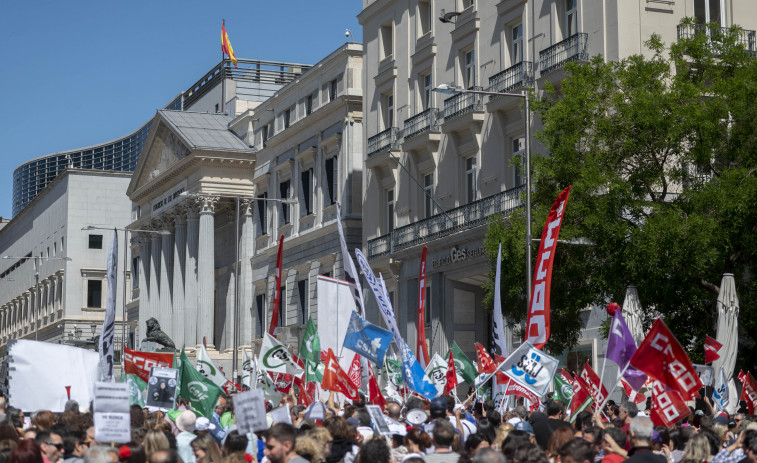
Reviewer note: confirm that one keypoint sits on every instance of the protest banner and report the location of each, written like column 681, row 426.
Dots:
column 161, row 387
column 379, row 423
column 249, row 409
column 111, row 412
column 531, row 368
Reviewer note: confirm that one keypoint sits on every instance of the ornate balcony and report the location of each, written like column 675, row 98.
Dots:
column 438, row 226
column 383, row 140
column 462, row 103
column 574, row 48
column 513, row 78
column 747, row 37
column 425, row 121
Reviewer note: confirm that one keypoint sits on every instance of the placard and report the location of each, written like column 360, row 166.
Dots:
column 379, row 423
column 281, row 415
column 249, row 408
column 706, row 374
column 531, row 368
column 161, row 387
column 316, row 411
column 111, row 412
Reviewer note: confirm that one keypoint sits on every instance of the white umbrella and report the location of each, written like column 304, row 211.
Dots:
column 632, row 314
column 728, row 335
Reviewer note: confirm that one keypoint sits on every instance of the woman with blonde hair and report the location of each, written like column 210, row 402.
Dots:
column 205, row 449
column 697, row 450
column 502, row 432
column 154, row 441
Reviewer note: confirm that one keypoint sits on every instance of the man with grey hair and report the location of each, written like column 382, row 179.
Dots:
column 628, row 412
column 101, row 454
column 488, row 455
column 640, row 436
column 521, row 413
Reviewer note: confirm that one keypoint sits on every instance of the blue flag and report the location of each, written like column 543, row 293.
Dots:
column 415, row 377
column 367, row 339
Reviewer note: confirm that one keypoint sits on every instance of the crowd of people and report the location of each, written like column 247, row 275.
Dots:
column 437, row 431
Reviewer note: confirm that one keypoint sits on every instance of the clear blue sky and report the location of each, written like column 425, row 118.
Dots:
column 80, row 73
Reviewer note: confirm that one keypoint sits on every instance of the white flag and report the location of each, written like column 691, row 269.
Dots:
column 385, row 307
column 350, row 273
column 437, row 371
column 107, row 334
column 275, row 357
column 208, row 369
column 246, row 369
column 720, row 394
column 261, row 380
column 498, row 328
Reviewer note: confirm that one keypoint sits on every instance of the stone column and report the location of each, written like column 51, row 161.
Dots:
column 59, row 293
column 206, row 270
column 166, row 278
column 144, row 277
column 179, row 259
column 154, row 296
column 190, row 276
column 246, row 297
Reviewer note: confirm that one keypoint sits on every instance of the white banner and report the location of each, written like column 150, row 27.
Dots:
column 50, row 368
column 107, row 333
column 335, row 307
column 437, row 372
column 385, row 307
column 111, row 412
column 249, row 408
column 531, row 368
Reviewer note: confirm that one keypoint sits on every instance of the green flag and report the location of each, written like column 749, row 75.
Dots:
column 484, row 392
column 563, row 390
column 311, row 345
column 137, row 390
column 313, row 371
column 201, row 392
column 394, row 371
column 463, row 365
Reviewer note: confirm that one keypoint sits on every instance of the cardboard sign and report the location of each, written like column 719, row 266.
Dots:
column 281, row 415
column 316, row 411
column 249, row 408
column 706, row 374
column 379, row 423
column 161, row 387
column 111, row 412
column 531, row 368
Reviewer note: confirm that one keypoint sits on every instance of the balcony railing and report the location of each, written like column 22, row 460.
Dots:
column 515, row 77
column 574, row 48
column 747, row 37
column 438, row 226
column 382, row 140
column 422, row 122
column 462, row 103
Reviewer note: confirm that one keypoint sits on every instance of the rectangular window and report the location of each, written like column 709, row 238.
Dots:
column 95, row 241
column 332, row 90
column 284, row 190
column 267, row 132
column 287, row 118
column 55, row 249
column 94, row 294
column 389, row 210
column 388, row 112
column 519, row 152
column 428, row 193
column 470, row 179
column 571, row 18
column 302, row 295
column 709, row 11
column 283, row 307
column 306, row 180
column 134, row 272
column 517, row 39
column 263, row 213
column 469, row 74
column 260, row 306
column 425, row 18
column 386, row 41
column 426, row 90
column 309, row 105
column 330, row 167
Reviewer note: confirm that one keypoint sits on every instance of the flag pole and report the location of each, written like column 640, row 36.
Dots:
column 223, row 69
column 604, row 402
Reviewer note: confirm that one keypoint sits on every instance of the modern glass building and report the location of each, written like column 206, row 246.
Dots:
column 253, row 80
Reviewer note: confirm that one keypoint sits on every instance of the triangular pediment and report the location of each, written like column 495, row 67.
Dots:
column 163, row 149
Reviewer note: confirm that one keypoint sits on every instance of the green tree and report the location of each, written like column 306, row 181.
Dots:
column 660, row 152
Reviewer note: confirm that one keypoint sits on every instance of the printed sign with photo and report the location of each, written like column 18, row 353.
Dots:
column 161, row 387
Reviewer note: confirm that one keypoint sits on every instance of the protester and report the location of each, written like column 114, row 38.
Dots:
column 75, row 445
column 205, row 450
column 101, row 454
column 611, row 450
column 640, row 434
column 51, row 445
column 280, row 444
column 488, row 455
column 417, row 442
column 576, row 451
column 343, row 445
column 442, row 437
column 27, row 452
column 628, row 412
column 154, row 441
column 186, row 424
column 43, row 420
column 544, row 429
column 374, row 451
column 560, row 437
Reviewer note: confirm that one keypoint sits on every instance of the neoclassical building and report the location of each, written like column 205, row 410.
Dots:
column 221, row 188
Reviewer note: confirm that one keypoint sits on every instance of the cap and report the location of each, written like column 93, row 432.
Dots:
column 186, row 421
column 524, row 426
column 416, row 417
column 699, row 412
column 438, row 405
column 720, row 419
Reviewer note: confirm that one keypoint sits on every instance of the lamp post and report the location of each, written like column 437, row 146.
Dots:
column 453, row 90
column 126, row 247
column 237, row 199
column 37, row 263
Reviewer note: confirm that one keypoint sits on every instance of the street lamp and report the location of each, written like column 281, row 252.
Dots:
column 37, row 260
column 123, row 308
column 453, row 90
column 236, row 198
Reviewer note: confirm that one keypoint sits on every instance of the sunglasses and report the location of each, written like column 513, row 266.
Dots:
column 57, row 446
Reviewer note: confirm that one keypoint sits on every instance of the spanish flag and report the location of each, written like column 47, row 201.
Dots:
column 226, row 45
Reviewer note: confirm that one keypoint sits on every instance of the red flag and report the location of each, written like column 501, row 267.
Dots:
column 537, row 332
column 668, row 407
column 749, row 392
column 451, row 374
column 283, row 382
column 501, row 377
column 422, row 349
column 597, row 390
column 711, row 348
column 354, row 372
column 277, row 290
column 484, row 360
column 742, row 376
column 662, row 357
column 226, row 45
column 633, row 396
column 565, row 376
column 516, row 389
column 139, row 363
column 374, row 391
column 336, row 379
column 581, row 393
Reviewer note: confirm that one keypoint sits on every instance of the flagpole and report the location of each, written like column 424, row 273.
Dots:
column 223, row 71
column 602, row 375
column 620, row 376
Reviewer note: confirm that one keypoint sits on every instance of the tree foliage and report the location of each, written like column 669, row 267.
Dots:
column 661, row 155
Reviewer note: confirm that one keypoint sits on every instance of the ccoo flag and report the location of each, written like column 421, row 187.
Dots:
column 367, row 339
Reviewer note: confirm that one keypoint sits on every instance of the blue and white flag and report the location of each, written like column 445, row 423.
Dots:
column 531, row 368
column 385, row 306
column 720, row 394
column 415, row 377
column 367, row 339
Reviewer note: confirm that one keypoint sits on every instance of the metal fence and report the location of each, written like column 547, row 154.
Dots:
column 574, row 48
column 422, row 122
column 747, row 37
column 519, row 76
column 462, row 103
column 382, row 140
